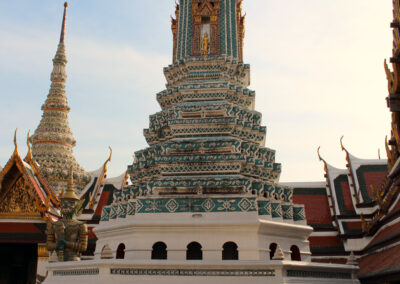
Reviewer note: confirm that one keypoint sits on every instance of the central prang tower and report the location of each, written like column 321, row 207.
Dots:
column 206, row 157
column 207, row 140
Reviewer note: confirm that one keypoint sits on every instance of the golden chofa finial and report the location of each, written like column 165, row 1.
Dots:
column 108, row 160
column 344, row 149
column 321, row 159
column 319, row 155
column 70, row 193
column 62, row 35
column 29, row 154
column 341, row 143
column 15, row 141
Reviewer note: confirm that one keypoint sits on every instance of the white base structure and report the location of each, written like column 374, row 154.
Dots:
column 123, row 271
column 252, row 234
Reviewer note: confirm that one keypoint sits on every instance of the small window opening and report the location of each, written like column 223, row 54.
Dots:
column 120, row 251
column 295, row 253
column 194, row 251
column 272, row 249
column 230, row 251
column 159, row 251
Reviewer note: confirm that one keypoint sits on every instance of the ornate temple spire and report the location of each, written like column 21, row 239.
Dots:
column 53, row 141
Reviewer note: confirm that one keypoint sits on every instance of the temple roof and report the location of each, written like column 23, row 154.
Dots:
column 24, row 191
column 380, row 262
column 119, row 181
column 99, row 191
column 344, row 199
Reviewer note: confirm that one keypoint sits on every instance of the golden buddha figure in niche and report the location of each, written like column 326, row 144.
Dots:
column 206, row 45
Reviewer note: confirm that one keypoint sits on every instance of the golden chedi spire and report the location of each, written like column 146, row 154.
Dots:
column 53, row 141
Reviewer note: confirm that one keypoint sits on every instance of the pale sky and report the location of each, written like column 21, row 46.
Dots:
column 316, row 67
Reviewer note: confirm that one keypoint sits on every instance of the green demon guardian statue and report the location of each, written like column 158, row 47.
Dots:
column 68, row 236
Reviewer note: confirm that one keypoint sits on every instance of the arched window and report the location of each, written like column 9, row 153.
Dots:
column 194, row 251
column 272, row 249
column 230, row 251
column 159, row 251
column 121, row 251
column 295, row 253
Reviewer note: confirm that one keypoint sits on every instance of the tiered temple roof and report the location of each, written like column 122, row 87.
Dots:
column 337, row 208
column 25, row 196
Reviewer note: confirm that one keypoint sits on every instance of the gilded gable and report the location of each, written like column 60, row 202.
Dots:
column 17, row 201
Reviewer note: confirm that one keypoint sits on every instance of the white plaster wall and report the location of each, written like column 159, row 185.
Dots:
column 251, row 234
column 42, row 267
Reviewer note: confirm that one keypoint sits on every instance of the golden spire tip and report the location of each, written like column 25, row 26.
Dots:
column 62, row 35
